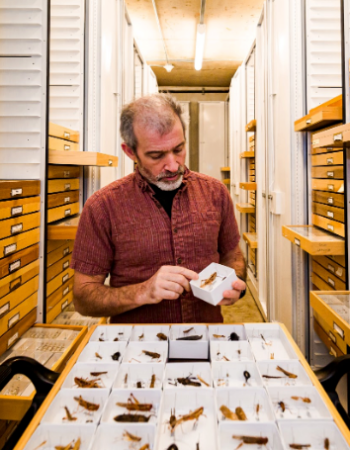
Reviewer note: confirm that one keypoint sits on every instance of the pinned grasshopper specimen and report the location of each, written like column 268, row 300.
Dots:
column 202, row 381
column 153, row 381
column 131, row 418
column 141, row 337
column 270, row 376
column 194, row 337
column 153, row 355
column 144, row 447
column 299, row 446
column 86, row 383
column 240, row 413
column 250, row 440
column 326, row 444
column 162, row 337
column 69, row 416
column 218, row 336
column 131, row 437
column 227, row 413
column 288, row 374
column 188, row 381
column 97, row 374
column 70, row 446
column 98, row 356
column 134, row 405
column 188, row 330
column 194, row 415
column 304, row 399
column 86, row 405
column 209, row 280
column 282, row 406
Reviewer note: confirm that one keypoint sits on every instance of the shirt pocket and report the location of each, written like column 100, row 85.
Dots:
column 206, row 229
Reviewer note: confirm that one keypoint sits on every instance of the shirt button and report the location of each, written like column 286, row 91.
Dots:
column 175, row 230
column 179, row 260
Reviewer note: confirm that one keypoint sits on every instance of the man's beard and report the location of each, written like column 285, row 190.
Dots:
column 158, row 180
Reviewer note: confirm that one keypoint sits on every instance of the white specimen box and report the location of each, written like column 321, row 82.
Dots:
column 231, row 374
column 269, row 368
column 148, row 333
column 312, row 432
column 254, row 402
column 266, row 430
column 131, row 374
column 149, row 396
column 84, row 370
column 110, row 333
column 297, row 409
column 173, row 371
column 213, row 293
column 61, row 435
column 226, row 331
column 188, row 349
column 135, row 353
column 102, row 352
column 269, row 342
column 230, row 351
column 56, row 412
column 187, row 434
column 113, row 437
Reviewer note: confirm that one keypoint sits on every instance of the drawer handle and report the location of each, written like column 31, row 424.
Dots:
column 332, row 351
column 66, row 174
column 308, row 122
column 16, row 283
column 10, row 249
column 67, row 186
column 65, row 291
column 14, row 319
column 331, row 268
column 17, row 228
column 67, row 212
column 330, row 187
column 4, row 309
column 338, row 330
column 330, row 214
column 12, row 340
column 329, row 160
column 331, row 282
column 330, row 174
column 65, row 265
column 15, row 192
column 330, row 200
column 65, row 278
column 339, row 272
column 330, row 227
column 338, row 137
column 66, row 134
column 65, row 251
column 297, row 242
column 66, row 147
column 332, row 337
column 16, row 210
column 66, row 199
column 14, row 265
column 110, row 162
column 64, row 305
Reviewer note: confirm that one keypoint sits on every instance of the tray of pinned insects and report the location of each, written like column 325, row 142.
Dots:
column 132, row 406
column 227, row 333
column 283, row 373
column 124, row 437
column 230, row 351
column 111, row 333
column 103, row 352
column 236, row 374
column 146, row 352
column 188, row 342
column 150, row 333
column 139, row 376
column 91, row 376
column 187, row 375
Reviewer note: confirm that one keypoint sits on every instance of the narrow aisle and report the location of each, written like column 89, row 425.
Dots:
column 245, row 310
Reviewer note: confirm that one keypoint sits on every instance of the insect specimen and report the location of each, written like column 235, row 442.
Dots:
column 209, row 280
column 172, row 447
column 326, row 444
column 233, row 337
column 101, row 339
column 98, row 356
column 299, row 446
column 252, row 440
column 69, row 446
column 131, row 437
column 153, row 355
column 85, row 404
column 69, row 416
column 193, row 415
column 288, row 374
column 162, row 336
column 77, row 444
column 97, row 374
column 86, row 383
column 272, row 356
column 131, row 418
column 304, row 399
column 218, row 336
column 134, row 405
column 239, row 352
column 240, row 413
column 120, row 333
column 141, row 337
column 116, row 339
column 188, row 330
column 188, row 381
column 40, row 445
column 144, row 447
column 282, row 406
column 202, row 381
column 153, row 380
column 227, row 413
column 225, row 358
column 194, row 337
column 270, row 376
column 246, row 375
column 126, row 380
column 172, row 420
column 139, row 385
column 115, row 356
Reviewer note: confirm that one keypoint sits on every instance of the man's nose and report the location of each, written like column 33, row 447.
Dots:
column 171, row 164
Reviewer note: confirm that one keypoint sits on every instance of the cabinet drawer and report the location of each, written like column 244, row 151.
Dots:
column 63, row 132
column 319, row 283
column 328, row 211
column 70, row 184
column 65, row 249
column 327, row 159
column 18, row 242
column 251, row 177
column 338, row 259
column 334, row 172
column 12, row 336
column 252, row 202
column 328, row 277
column 55, row 171
column 16, row 279
column 328, row 185
column 14, row 208
column 15, row 315
column 326, row 198
column 62, row 144
column 61, row 305
column 63, row 198
column 248, row 186
column 331, row 266
column 10, row 227
column 329, row 225
column 328, row 337
column 62, row 212
column 59, row 294
column 252, row 172
column 53, row 245
column 252, row 195
column 16, row 261
column 10, row 189
column 58, row 267
column 11, row 300
column 58, row 281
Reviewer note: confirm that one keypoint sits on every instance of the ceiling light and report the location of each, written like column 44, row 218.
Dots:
column 168, row 67
column 199, row 46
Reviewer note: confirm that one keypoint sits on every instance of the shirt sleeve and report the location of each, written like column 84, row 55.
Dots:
column 229, row 234
column 93, row 247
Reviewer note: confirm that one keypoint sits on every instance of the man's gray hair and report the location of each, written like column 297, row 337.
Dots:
column 156, row 111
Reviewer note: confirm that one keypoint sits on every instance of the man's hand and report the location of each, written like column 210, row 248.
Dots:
column 166, row 284
column 232, row 296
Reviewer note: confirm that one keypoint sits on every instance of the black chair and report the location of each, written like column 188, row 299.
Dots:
column 329, row 376
column 43, row 380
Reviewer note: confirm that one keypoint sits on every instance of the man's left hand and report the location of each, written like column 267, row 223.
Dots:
column 232, row 296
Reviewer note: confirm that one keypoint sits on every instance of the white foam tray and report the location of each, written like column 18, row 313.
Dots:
column 83, row 370
column 57, row 414
column 188, row 349
column 230, row 374
column 111, row 332
column 295, row 367
column 152, row 396
column 226, row 330
column 183, row 370
column 233, row 351
column 112, row 437
column 134, row 353
column 247, row 399
column 103, row 349
column 149, row 333
column 297, row 409
column 139, row 373
column 60, row 435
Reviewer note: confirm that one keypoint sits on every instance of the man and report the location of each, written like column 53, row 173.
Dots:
column 155, row 229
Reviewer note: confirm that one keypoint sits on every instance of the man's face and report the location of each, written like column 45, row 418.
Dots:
column 161, row 158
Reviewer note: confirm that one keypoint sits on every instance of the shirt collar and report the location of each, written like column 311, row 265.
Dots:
column 145, row 186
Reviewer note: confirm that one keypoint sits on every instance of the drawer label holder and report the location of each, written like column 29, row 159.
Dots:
column 65, row 291
column 17, row 228
column 66, row 199
column 67, row 187
column 330, row 200
column 65, row 251
column 330, row 174
column 338, row 330
column 16, row 283
column 67, row 212
column 331, row 282
column 332, row 337
column 331, row 268
column 12, row 340
column 14, row 265
column 330, row 214
column 329, row 160
column 64, row 305
column 16, row 210
column 330, row 187
column 338, row 137
column 65, row 278
column 66, row 174
column 15, row 192
column 4, row 309
column 10, row 249
column 66, row 134
column 297, row 242
column 330, row 227
column 14, row 319
column 66, row 147
column 65, row 265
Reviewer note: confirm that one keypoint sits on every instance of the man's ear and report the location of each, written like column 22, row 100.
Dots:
column 129, row 152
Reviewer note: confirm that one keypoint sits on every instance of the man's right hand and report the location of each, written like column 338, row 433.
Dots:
column 166, row 284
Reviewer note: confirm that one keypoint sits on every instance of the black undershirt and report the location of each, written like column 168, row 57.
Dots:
column 165, row 198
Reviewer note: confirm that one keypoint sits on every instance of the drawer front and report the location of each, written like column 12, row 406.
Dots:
column 331, row 266
column 335, row 346
column 18, row 260
column 336, row 200
column 65, row 249
column 12, row 336
column 252, row 202
column 248, row 186
column 327, row 159
column 62, row 144
column 251, row 177
column 10, row 190
column 252, row 256
column 19, row 207
column 53, row 245
column 61, row 305
column 62, row 212
column 336, row 186
column 58, row 267
column 70, row 184
column 18, row 278
column 15, row 243
column 328, row 211
column 11, row 300
column 338, row 259
column 334, row 172
column 58, row 171
column 328, row 277
column 58, row 281
column 11, row 227
column 252, row 195
column 62, row 198
column 12, row 317
column 252, row 172
column 329, row 225
column 63, row 132
column 59, row 294
column 320, row 284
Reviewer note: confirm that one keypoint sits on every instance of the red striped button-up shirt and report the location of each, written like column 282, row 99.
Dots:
column 125, row 231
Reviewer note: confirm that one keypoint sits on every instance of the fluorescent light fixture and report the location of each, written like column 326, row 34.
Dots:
column 199, row 46
column 168, row 67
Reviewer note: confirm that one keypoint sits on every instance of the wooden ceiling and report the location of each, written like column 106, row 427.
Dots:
column 230, row 31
